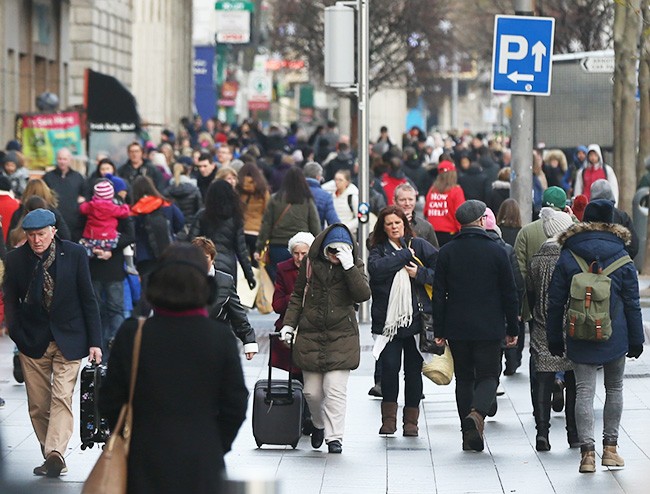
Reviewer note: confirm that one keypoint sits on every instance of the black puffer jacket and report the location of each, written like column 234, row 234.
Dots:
column 228, row 308
column 187, row 197
column 229, row 240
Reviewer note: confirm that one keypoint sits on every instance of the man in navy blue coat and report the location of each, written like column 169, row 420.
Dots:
column 53, row 317
column 474, row 307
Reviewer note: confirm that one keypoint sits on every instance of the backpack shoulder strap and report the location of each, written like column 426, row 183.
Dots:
column 350, row 203
column 620, row 262
column 581, row 262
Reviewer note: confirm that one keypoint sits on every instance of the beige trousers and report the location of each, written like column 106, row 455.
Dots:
column 326, row 395
column 50, row 382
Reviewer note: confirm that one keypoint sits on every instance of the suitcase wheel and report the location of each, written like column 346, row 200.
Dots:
column 83, row 447
column 259, row 444
column 294, row 445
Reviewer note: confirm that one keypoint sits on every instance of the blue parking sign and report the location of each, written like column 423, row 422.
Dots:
column 521, row 55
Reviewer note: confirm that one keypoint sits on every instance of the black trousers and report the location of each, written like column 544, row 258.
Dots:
column 544, row 382
column 391, row 363
column 477, row 365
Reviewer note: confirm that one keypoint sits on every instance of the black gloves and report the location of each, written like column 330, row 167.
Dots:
column 556, row 348
column 251, row 283
column 635, row 351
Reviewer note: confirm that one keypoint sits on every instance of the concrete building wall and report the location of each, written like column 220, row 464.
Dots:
column 100, row 38
column 162, row 61
column 388, row 107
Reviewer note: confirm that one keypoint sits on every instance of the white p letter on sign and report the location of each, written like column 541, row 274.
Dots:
column 505, row 54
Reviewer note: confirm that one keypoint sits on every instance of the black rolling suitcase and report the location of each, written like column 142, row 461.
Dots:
column 277, row 409
column 94, row 428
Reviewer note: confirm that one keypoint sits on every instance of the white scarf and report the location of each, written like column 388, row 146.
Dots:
column 399, row 313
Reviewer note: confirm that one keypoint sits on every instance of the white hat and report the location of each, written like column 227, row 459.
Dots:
column 300, row 238
column 554, row 222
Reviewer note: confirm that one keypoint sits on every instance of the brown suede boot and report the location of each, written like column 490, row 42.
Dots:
column 388, row 417
column 588, row 459
column 473, row 426
column 611, row 458
column 411, row 415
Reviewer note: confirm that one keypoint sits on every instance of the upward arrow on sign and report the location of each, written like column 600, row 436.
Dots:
column 539, row 51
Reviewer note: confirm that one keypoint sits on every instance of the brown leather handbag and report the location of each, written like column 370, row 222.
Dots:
column 109, row 474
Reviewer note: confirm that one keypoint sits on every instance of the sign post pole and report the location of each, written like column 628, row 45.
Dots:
column 521, row 65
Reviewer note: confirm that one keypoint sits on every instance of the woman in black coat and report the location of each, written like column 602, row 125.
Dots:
column 190, row 396
column 222, row 222
column 399, row 265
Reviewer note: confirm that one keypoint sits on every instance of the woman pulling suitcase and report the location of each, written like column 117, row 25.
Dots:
column 322, row 318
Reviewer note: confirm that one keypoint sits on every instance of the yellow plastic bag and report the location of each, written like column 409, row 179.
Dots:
column 440, row 369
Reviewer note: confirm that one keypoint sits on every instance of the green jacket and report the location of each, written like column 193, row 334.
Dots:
column 328, row 333
column 529, row 239
column 298, row 218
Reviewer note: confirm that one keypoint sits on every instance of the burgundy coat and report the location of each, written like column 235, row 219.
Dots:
column 285, row 279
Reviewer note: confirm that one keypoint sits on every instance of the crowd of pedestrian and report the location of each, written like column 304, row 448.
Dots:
column 183, row 217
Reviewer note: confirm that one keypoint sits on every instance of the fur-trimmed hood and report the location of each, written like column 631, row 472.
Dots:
column 556, row 154
column 595, row 241
column 618, row 230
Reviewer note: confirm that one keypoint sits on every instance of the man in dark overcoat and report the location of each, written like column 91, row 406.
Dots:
column 474, row 307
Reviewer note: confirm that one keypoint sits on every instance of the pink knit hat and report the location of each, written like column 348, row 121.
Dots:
column 104, row 190
column 490, row 220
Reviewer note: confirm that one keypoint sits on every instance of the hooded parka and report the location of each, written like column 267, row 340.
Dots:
column 328, row 333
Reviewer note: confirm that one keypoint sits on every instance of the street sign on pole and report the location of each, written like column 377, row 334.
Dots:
column 234, row 21
column 521, row 55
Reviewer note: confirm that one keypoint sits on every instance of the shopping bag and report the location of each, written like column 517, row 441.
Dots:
column 264, row 299
column 440, row 368
column 247, row 295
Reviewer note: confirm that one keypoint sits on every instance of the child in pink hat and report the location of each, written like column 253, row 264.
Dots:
column 101, row 225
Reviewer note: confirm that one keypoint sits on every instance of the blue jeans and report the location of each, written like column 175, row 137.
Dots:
column 110, row 296
column 585, row 392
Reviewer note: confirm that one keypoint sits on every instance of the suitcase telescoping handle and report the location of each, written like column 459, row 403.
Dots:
column 289, row 387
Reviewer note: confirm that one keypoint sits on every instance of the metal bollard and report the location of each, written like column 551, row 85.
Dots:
column 251, row 486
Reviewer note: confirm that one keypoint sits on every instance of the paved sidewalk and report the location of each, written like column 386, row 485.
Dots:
column 433, row 462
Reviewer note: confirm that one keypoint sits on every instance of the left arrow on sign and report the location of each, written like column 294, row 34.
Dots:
column 516, row 77
column 539, row 51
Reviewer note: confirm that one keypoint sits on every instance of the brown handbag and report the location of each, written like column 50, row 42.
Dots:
column 109, row 474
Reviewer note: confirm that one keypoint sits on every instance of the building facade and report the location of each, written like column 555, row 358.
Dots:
column 46, row 45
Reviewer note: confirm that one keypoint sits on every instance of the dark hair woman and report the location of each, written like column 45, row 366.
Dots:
column 221, row 221
column 399, row 265
column 509, row 220
column 290, row 210
column 207, row 373
column 254, row 195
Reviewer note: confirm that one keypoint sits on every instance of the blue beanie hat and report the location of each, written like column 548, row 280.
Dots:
column 118, row 184
column 337, row 235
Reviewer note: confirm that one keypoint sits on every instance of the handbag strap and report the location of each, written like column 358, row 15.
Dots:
column 281, row 216
column 268, row 241
column 128, row 408
column 137, row 343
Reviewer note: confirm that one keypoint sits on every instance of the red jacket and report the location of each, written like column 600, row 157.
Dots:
column 440, row 209
column 102, row 218
column 8, row 206
column 390, row 184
